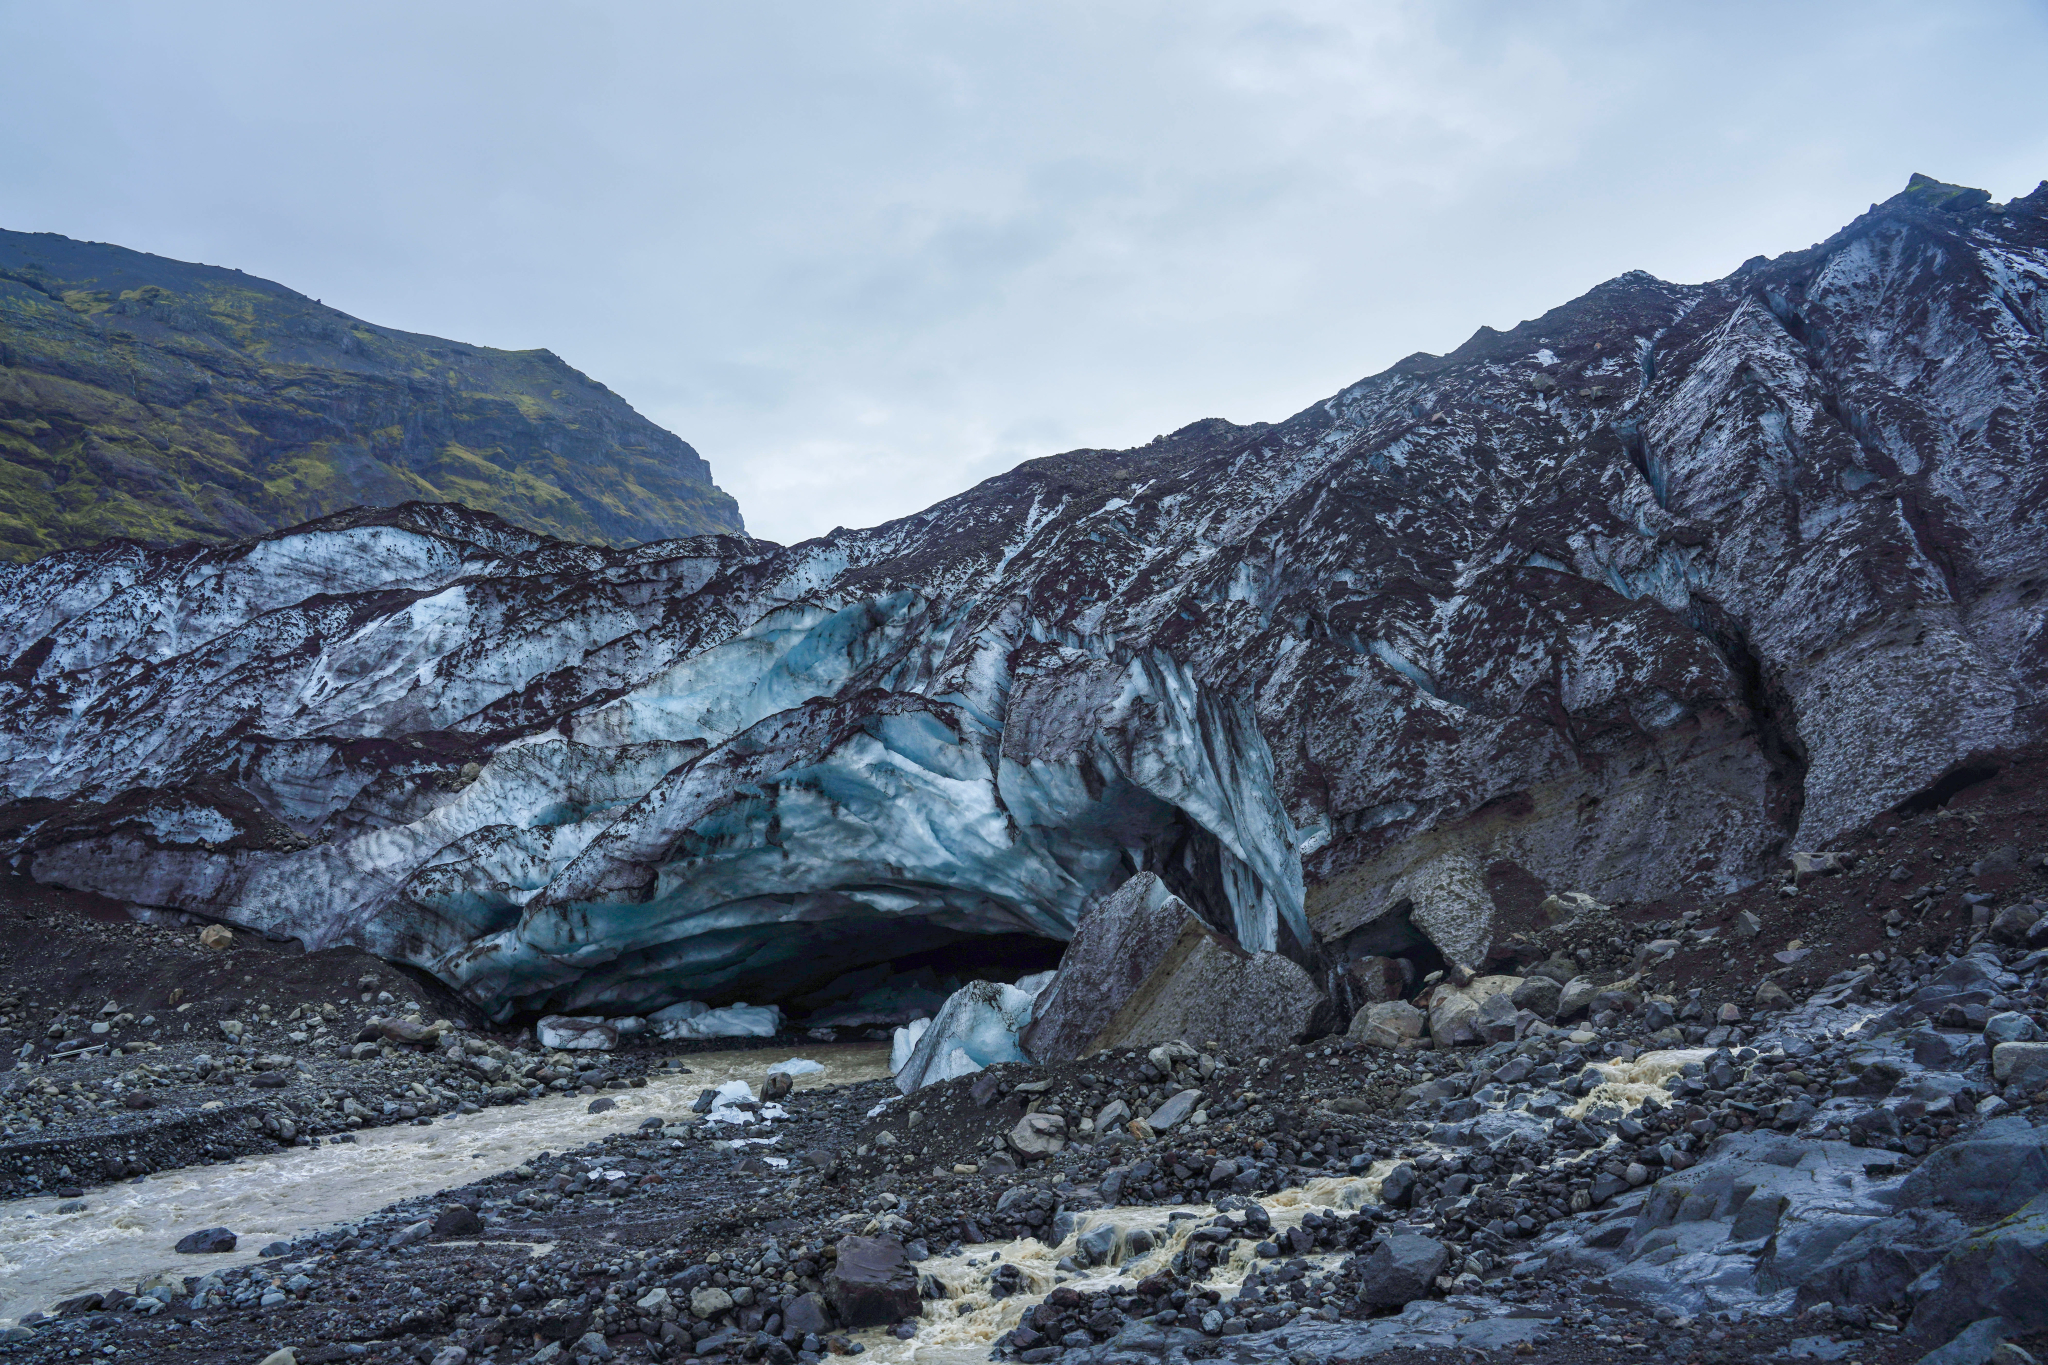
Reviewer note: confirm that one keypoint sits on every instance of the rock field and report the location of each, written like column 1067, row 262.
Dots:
column 1691, row 1157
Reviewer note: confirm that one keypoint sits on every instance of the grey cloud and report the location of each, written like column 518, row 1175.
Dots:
column 863, row 255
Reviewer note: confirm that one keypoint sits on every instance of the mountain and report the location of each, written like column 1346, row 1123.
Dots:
column 1633, row 599
column 164, row 402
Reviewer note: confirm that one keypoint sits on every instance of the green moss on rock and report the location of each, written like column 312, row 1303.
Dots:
column 166, row 401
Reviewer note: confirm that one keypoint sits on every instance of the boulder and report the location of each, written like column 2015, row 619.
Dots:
column 1806, row 865
column 2010, row 1026
column 2021, row 1064
column 1039, row 1134
column 1376, row 979
column 806, row 1314
column 1976, row 1344
column 1539, row 994
column 206, row 1242
column 411, row 1234
column 872, row 1284
column 1173, row 1111
column 400, row 1031
column 1566, row 904
column 1454, row 1011
column 1144, row 969
column 2011, row 925
column 1771, row 996
column 1499, row 1020
column 708, row 1301
column 1401, row 1270
column 1994, row 1174
column 1876, row 1265
column 1576, row 997
column 2001, row 1271
column 457, row 1220
column 216, row 936
column 1390, row 1024
column 1760, row 1214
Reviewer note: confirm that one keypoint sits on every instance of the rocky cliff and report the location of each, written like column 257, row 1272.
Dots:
column 164, row 402
column 1632, row 598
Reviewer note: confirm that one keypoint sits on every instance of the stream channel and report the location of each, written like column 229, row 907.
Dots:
column 126, row 1230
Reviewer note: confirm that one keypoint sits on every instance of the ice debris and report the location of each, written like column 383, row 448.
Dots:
column 978, row 1027
column 695, row 1019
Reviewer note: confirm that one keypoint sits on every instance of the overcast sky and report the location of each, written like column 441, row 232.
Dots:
column 862, row 255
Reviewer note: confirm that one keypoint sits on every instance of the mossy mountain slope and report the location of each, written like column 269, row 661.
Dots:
column 166, row 401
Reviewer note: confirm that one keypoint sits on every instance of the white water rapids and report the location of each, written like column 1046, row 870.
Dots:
column 126, row 1231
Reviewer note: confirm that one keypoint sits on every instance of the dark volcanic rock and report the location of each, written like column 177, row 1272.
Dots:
column 1144, row 969
column 457, row 1220
column 872, row 1283
column 1401, row 1270
column 2000, row 1272
column 806, row 1313
column 1988, row 1178
column 207, row 1241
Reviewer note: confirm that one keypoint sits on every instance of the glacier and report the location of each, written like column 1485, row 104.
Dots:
column 1630, row 598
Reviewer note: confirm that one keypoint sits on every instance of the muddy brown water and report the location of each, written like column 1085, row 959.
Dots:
column 126, row 1231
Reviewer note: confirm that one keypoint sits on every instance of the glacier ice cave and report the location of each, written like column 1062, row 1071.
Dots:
column 836, row 783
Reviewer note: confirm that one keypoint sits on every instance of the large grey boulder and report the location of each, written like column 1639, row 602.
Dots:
column 1144, row 969
column 1976, row 1344
column 1455, row 1011
column 1578, row 993
column 1994, row 1174
column 1538, row 994
column 1401, row 1270
column 2001, row 1271
column 1392, row 1024
column 872, row 1283
column 1039, row 1134
column 1167, row 1115
column 2010, row 1026
column 1876, row 1265
column 2022, row 1066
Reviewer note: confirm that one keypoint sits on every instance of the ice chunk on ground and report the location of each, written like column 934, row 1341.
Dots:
column 905, row 1042
column 981, row 1023
column 571, row 1032
column 796, row 1066
column 1035, row 984
column 733, row 1021
column 728, row 1097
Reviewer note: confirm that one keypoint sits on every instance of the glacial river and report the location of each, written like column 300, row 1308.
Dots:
column 126, row 1231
